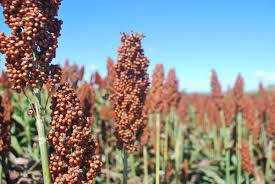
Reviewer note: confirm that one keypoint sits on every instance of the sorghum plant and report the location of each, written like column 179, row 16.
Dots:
column 29, row 50
column 238, row 92
column 130, row 91
column 111, row 76
column 263, row 103
column 72, row 74
column 247, row 163
column 5, row 122
column 216, row 90
column 182, row 109
column 249, row 114
column 5, row 132
column 97, row 79
column 155, row 95
column 4, row 82
column 86, row 94
column 270, row 127
column 129, row 94
column 229, row 110
column 74, row 158
column 170, row 92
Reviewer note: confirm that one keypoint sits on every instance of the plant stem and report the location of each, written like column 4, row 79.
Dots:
column 107, row 165
column 125, row 166
column 42, row 137
column 268, row 169
column 166, row 139
column 158, row 149
column 227, row 171
column 132, row 165
column 145, row 162
column 239, row 167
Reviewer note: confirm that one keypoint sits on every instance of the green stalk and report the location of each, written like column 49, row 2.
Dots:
column 239, row 168
column 132, row 164
column 107, row 166
column 227, row 167
column 166, row 139
column 145, row 162
column 247, row 178
column 125, row 166
column 268, row 163
column 178, row 153
column 42, row 137
column 157, row 181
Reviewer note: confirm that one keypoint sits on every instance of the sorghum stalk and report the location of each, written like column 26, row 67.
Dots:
column 42, row 139
column 145, row 165
column 157, row 181
column 125, row 166
column 268, row 168
column 132, row 165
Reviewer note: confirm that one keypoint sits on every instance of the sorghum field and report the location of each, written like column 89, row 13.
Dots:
column 126, row 127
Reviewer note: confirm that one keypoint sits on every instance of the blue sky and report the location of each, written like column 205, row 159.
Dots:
column 193, row 36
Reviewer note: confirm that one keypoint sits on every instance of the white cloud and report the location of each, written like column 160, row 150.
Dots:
column 267, row 77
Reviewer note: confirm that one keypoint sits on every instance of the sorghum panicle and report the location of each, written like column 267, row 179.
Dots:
column 263, row 101
column 86, row 94
column 229, row 110
column 105, row 115
column 111, row 76
column 97, row 79
column 270, row 127
column 249, row 113
column 31, row 45
column 213, row 113
column 73, row 158
column 4, row 82
column 72, row 74
column 155, row 95
column 130, row 91
column 238, row 91
column 199, row 103
column 182, row 109
column 216, row 91
column 247, row 163
column 5, row 122
column 170, row 92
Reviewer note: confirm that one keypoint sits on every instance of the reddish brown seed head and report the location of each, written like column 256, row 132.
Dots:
column 154, row 98
column 70, row 140
column 238, row 91
column 247, row 163
column 170, row 92
column 5, row 121
column 130, row 91
column 31, row 45
column 216, row 91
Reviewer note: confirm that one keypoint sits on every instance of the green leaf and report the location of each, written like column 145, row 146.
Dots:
column 16, row 146
column 18, row 119
column 214, row 176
